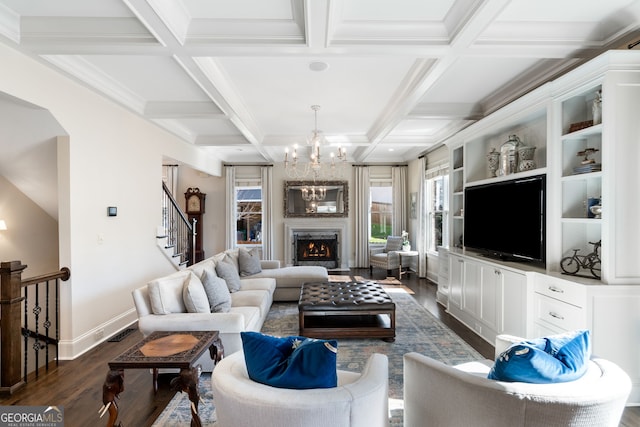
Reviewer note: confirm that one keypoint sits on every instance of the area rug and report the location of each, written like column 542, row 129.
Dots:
column 416, row 330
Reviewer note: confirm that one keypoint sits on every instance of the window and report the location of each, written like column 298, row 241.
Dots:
column 249, row 215
column 437, row 211
column 381, row 212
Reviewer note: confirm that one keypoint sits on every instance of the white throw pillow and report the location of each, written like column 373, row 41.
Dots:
column 165, row 293
column 194, row 296
column 217, row 292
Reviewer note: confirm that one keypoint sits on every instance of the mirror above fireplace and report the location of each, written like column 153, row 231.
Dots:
column 320, row 199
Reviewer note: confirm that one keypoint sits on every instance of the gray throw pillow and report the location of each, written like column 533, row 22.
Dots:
column 227, row 271
column 217, row 292
column 249, row 262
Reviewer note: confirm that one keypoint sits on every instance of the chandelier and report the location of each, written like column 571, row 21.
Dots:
column 313, row 193
column 314, row 168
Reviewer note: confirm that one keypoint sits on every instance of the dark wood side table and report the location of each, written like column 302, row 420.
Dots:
column 163, row 350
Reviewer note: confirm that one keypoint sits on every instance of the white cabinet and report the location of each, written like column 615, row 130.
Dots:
column 442, row 295
column 610, row 312
column 456, row 277
column 471, row 288
column 515, row 312
column 481, row 292
column 559, row 305
column 503, row 302
column 550, row 118
column 487, row 297
column 491, row 287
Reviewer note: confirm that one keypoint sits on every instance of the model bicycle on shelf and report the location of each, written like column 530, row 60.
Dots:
column 572, row 264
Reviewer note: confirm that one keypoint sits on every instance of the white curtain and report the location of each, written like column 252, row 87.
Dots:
column 361, row 214
column 423, row 220
column 266, row 175
column 230, row 206
column 399, row 184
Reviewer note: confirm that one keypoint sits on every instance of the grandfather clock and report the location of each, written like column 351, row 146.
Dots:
column 195, row 209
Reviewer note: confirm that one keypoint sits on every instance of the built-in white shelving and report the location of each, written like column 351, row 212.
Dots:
column 547, row 118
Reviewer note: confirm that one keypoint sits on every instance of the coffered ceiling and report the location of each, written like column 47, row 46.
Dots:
column 237, row 76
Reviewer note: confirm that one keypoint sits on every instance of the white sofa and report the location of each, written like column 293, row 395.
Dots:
column 360, row 400
column 249, row 305
column 436, row 394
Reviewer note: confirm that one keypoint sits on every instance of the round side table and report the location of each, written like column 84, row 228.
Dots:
column 407, row 263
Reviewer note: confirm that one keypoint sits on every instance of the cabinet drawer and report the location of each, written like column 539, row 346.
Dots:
column 565, row 316
column 568, row 292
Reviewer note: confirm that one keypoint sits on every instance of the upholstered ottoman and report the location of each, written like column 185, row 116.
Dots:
column 346, row 310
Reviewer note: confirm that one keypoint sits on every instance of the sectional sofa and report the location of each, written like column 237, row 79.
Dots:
column 229, row 292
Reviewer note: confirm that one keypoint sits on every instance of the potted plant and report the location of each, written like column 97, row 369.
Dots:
column 406, row 244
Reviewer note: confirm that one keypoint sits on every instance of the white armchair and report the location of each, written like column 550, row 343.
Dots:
column 360, row 400
column 386, row 257
column 440, row 395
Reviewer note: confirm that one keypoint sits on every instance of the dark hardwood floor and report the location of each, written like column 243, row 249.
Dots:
column 77, row 385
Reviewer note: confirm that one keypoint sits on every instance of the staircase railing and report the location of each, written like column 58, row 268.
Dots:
column 180, row 233
column 30, row 311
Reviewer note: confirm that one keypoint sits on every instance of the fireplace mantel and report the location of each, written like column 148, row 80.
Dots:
column 326, row 225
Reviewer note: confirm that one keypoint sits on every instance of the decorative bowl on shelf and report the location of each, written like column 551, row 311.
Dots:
column 596, row 210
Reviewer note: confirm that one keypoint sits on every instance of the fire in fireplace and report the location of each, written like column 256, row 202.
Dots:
column 316, row 250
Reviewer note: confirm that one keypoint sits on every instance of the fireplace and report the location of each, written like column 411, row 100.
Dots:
column 330, row 232
column 316, row 249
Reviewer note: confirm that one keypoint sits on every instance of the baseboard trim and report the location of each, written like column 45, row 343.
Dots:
column 72, row 349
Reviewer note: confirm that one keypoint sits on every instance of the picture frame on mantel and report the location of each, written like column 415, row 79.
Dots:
column 304, row 199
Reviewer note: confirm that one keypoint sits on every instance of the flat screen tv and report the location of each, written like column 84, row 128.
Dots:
column 507, row 219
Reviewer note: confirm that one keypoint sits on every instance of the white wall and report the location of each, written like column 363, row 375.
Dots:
column 111, row 158
column 31, row 235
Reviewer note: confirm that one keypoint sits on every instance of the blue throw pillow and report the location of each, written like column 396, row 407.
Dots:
column 553, row 359
column 290, row 362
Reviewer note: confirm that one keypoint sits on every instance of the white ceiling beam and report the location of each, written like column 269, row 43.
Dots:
column 426, row 110
column 466, row 20
column 95, row 78
column 9, row 24
column 316, row 24
column 182, row 109
column 204, row 73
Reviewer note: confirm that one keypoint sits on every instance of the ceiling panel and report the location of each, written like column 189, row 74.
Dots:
column 233, row 75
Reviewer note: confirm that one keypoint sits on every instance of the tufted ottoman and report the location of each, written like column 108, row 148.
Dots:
column 346, row 310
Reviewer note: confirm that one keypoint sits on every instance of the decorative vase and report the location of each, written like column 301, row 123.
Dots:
column 525, row 158
column 509, row 156
column 494, row 160
column 591, row 203
column 406, row 247
column 596, row 108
